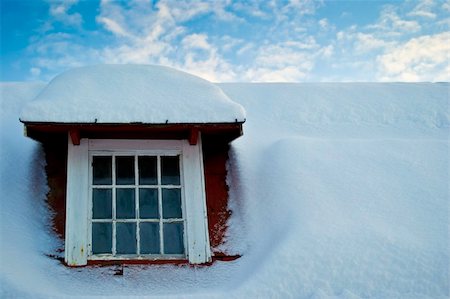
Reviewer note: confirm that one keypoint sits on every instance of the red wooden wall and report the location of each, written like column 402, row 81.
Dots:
column 215, row 156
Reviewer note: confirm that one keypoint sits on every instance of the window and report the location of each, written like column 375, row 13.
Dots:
column 136, row 199
column 137, row 206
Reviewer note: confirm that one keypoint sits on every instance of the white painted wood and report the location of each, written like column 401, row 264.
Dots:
column 161, row 146
column 77, row 203
column 78, row 206
column 195, row 201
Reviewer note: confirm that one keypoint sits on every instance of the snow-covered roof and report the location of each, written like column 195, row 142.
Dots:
column 336, row 191
column 131, row 94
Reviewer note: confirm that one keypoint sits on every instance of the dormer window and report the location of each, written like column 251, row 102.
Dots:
column 127, row 148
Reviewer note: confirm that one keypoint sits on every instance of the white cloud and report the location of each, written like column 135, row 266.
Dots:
column 156, row 33
column 196, row 41
column 424, row 9
column 228, row 43
column 323, row 23
column 143, row 35
column 359, row 43
column 289, row 61
column 424, row 58
column 327, row 51
column 390, row 23
column 203, row 59
column 394, row 48
column 368, row 42
column 159, row 36
column 182, row 10
column 212, row 68
column 246, row 48
column 60, row 12
column 278, row 43
column 252, row 8
column 302, row 7
column 446, row 6
column 284, row 74
column 285, row 54
column 219, row 8
column 112, row 26
column 35, row 72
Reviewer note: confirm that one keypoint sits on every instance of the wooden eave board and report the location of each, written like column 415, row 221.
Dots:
column 45, row 131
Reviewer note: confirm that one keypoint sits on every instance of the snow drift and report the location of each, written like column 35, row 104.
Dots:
column 337, row 191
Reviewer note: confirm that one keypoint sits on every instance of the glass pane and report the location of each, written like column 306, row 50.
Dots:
column 147, row 170
column 170, row 170
column 101, row 203
column 126, row 238
column 125, row 170
column 171, row 203
column 173, row 238
column 125, row 204
column 101, row 238
column 148, row 203
column 149, row 232
column 101, row 170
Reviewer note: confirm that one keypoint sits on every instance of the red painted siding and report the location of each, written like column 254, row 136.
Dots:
column 215, row 156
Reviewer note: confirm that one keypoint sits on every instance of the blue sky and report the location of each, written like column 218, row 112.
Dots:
column 231, row 41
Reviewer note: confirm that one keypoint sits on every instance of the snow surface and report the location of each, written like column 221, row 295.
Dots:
column 131, row 94
column 337, row 191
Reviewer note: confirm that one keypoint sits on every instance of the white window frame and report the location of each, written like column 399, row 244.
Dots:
column 137, row 220
column 79, row 202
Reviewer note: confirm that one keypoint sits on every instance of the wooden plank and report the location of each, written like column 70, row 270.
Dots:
column 77, row 204
column 106, row 263
column 193, row 136
column 44, row 131
column 195, row 200
column 75, row 136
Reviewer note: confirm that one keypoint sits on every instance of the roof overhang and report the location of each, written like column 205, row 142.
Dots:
column 46, row 131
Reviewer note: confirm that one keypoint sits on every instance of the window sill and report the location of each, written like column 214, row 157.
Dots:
column 133, row 257
column 138, row 262
column 121, row 262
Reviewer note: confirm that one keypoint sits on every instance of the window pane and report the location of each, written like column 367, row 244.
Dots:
column 171, row 203
column 147, row 170
column 102, row 170
column 148, row 203
column 126, row 238
column 125, row 204
column 125, row 170
column 101, row 203
column 101, row 238
column 170, row 170
column 173, row 238
column 149, row 232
